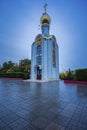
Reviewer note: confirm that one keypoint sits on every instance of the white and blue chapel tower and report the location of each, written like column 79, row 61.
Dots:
column 45, row 53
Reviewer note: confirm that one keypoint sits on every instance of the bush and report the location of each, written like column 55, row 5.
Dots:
column 62, row 76
column 81, row 74
column 26, row 76
column 13, row 75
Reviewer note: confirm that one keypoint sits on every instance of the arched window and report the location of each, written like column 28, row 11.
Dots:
column 54, row 54
column 39, row 55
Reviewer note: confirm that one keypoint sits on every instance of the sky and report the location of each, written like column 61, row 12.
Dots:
column 19, row 25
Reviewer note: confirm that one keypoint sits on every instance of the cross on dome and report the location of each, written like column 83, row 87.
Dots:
column 45, row 7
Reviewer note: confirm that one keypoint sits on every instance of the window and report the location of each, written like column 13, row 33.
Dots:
column 39, row 60
column 54, row 54
column 39, row 50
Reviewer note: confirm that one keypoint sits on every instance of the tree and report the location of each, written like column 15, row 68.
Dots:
column 24, row 66
column 8, row 65
column 5, row 65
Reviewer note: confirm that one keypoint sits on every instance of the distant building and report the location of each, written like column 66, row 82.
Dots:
column 45, row 53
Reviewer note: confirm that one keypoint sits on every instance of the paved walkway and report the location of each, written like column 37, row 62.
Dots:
column 42, row 106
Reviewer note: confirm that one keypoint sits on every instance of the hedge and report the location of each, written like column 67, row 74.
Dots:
column 13, row 75
column 81, row 74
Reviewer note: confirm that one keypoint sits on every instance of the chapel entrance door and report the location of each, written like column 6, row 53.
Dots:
column 38, row 73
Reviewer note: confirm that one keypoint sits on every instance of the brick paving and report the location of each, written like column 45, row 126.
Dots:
column 42, row 106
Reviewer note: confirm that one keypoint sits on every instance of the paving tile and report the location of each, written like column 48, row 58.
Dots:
column 30, row 127
column 62, row 120
column 41, row 123
column 82, row 126
column 6, row 128
column 72, row 128
column 19, row 124
column 50, row 116
column 72, row 125
column 54, row 126
column 30, row 117
column 2, row 124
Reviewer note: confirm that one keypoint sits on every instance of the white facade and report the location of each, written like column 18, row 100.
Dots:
column 45, row 54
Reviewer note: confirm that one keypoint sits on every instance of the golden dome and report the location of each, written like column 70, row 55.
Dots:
column 45, row 19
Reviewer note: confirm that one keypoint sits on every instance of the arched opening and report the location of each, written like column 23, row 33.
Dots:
column 38, row 73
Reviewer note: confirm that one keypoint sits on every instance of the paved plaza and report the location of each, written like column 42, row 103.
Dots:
column 42, row 106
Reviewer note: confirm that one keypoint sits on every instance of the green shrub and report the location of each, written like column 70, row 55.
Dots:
column 26, row 76
column 15, row 75
column 12, row 75
column 81, row 74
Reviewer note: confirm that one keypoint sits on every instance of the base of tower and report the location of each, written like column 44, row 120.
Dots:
column 40, row 81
